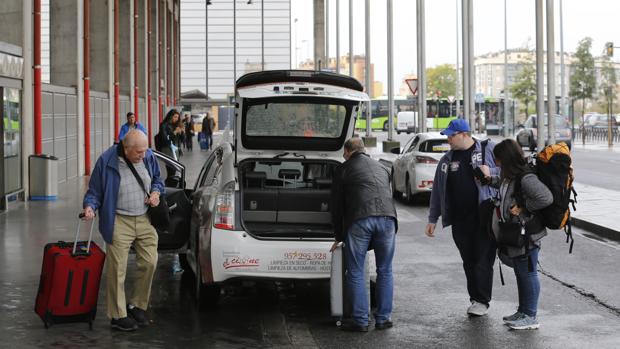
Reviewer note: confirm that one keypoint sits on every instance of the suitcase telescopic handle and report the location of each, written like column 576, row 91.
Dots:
column 77, row 234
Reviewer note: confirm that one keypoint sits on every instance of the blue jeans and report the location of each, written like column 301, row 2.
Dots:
column 377, row 233
column 527, row 282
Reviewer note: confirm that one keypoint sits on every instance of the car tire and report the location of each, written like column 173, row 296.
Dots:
column 385, row 126
column 395, row 193
column 397, row 132
column 207, row 295
column 408, row 190
column 183, row 263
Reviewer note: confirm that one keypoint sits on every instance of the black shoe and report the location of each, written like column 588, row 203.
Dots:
column 384, row 325
column 353, row 327
column 139, row 315
column 126, row 324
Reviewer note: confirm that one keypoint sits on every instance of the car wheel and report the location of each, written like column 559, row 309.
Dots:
column 385, row 126
column 183, row 262
column 395, row 193
column 397, row 132
column 408, row 190
column 207, row 295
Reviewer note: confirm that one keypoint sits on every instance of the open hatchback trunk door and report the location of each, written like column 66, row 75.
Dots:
column 296, row 112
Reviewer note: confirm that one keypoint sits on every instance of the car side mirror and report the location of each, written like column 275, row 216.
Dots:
column 395, row 151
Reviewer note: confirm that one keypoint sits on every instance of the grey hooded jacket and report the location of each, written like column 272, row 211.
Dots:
column 440, row 205
column 536, row 196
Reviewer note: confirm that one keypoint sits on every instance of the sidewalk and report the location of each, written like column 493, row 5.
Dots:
column 596, row 207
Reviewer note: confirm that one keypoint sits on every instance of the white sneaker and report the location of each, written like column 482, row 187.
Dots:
column 477, row 309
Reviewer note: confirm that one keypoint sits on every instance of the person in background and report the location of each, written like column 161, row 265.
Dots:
column 131, row 124
column 521, row 194
column 189, row 133
column 208, row 125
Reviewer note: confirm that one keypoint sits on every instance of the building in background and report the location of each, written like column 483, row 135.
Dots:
column 489, row 68
column 359, row 69
column 208, row 60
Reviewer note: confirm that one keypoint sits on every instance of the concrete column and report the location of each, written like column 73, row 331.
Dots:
column 319, row 34
column 11, row 20
column 66, row 57
column 27, row 96
column 142, row 53
column 99, row 46
column 110, row 43
column 124, row 39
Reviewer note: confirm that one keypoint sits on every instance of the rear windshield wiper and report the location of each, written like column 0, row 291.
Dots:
column 281, row 155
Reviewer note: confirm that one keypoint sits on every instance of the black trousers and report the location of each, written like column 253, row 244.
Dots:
column 478, row 251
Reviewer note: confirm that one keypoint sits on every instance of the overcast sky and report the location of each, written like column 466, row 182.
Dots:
column 595, row 18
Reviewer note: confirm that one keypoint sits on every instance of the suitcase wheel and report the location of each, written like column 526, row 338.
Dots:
column 338, row 323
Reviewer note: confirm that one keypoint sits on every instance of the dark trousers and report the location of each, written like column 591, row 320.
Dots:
column 478, row 251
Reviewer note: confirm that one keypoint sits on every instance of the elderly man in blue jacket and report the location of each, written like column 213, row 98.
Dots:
column 463, row 200
column 122, row 203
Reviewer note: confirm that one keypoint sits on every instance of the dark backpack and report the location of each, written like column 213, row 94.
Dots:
column 553, row 167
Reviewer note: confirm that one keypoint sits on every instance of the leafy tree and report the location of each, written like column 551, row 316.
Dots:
column 608, row 83
column 583, row 77
column 441, row 80
column 524, row 88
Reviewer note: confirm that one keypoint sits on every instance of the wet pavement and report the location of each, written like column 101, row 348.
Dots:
column 579, row 305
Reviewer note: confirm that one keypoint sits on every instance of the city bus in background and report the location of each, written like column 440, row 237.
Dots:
column 379, row 107
column 439, row 113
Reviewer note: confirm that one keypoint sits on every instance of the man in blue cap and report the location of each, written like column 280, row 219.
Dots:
column 463, row 200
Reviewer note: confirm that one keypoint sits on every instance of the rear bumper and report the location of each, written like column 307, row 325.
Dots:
column 236, row 254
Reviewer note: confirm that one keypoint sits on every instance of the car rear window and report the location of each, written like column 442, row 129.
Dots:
column 296, row 120
column 435, row 146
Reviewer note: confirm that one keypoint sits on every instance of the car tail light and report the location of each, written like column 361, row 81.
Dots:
column 425, row 160
column 425, row 184
column 225, row 208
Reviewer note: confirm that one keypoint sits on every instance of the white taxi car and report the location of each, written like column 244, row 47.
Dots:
column 260, row 208
column 414, row 169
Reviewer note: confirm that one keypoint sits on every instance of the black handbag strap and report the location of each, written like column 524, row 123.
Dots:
column 133, row 170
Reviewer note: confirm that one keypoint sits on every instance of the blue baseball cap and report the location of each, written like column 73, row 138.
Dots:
column 456, row 126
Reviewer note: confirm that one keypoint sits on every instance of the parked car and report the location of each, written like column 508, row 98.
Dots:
column 260, row 208
column 602, row 121
column 414, row 169
column 407, row 122
column 526, row 134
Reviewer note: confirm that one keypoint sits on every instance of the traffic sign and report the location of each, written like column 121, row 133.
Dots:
column 451, row 99
column 413, row 85
column 479, row 97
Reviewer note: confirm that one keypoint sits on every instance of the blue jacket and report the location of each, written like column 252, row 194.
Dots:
column 125, row 129
column 439, row 200
column 105, row 182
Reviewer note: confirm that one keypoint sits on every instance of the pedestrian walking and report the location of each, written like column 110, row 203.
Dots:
column 208, row 125
column 516, row 227
column 131, row 124
column 165, row 139
column 462, row 198
column 364, row 217
column 189, row 133
column 115, row 192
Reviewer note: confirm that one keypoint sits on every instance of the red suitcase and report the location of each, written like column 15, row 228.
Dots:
column 69, row 284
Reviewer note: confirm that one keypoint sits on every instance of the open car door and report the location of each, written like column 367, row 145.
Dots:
column 173, row 175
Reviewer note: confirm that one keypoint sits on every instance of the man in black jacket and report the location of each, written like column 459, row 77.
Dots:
column 364, row 217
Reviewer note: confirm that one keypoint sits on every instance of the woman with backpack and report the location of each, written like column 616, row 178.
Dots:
column 517, row 228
